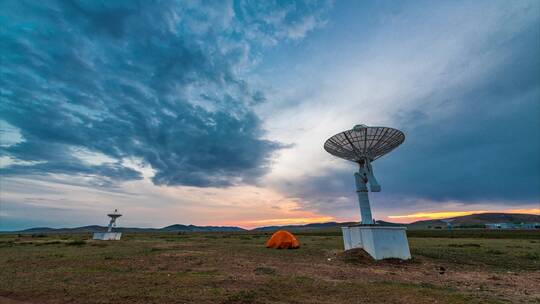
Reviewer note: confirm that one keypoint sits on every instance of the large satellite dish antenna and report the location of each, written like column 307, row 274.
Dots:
column 363, row 145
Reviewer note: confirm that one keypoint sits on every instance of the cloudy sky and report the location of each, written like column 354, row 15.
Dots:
column 215, row 113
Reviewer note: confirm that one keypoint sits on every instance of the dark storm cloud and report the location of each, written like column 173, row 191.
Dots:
column 484, row 146
column 158, row 81
column 488, row 148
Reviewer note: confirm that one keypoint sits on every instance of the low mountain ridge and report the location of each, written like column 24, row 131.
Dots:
column 314, row 226
column 302, row 227
column 96, row 228
column 477, row 219
column 484, row 218
column 193, row 228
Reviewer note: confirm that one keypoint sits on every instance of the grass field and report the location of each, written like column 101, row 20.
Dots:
column 472, row 267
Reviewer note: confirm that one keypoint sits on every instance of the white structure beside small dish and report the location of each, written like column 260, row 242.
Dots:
column 109, row 235
column 363, row 145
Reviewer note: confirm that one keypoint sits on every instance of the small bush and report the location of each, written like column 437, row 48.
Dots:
column 76, row 243
column 7, row 243
column 47, row 243
column 242, row 297
column 265, row 270
column 532, row 256
column 103, row 244
column 427, row 285
column 465, row 245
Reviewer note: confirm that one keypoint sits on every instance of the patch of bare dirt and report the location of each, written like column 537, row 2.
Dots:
column 4, row 300
column 358, row 266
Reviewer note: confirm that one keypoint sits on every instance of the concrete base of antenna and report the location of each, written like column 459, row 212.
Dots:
column 107, row 236
column 381, row 242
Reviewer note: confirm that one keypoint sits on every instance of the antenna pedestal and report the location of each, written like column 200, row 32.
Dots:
column 381, row 242
column 107, row 236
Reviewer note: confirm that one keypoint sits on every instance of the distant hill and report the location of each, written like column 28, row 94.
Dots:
column 483, row 218
column 426, row 224
column 93, row 228
column 302, row 227
column 193, row 228
column 96, row 228
column 477, row 219
column 318, row 226
column 466, row 221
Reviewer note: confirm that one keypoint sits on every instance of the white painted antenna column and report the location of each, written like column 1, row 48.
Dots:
column 363, row 199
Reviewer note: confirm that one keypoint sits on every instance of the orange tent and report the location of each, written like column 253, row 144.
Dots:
column 283, row 240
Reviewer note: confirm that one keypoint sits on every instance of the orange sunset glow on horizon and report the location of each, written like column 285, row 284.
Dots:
column 405, row 218
column 449, row 214
column 288, row 221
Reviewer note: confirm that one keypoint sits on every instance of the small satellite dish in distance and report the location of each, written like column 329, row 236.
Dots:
column 112, row 222
column 109, row 235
